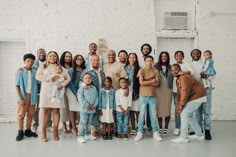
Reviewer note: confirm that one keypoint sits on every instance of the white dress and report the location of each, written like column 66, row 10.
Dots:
column 44, row 75
column 72, row 100
column 134, row 104
column 107, row 116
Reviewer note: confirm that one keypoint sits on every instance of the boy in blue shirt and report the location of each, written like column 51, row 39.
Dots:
column 88, row 100
column 26, row 89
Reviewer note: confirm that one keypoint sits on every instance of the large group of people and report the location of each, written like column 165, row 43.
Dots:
column 107, row 97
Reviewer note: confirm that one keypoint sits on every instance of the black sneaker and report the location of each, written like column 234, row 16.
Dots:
column 207, row 135
column 110, row 137
column 192, row 133
column 20, row 135
column 104, row 137
column 29, row 133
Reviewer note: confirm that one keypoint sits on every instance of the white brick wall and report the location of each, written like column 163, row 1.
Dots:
column 125, row 24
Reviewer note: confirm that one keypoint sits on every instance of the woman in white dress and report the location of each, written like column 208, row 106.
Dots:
column 75, row 73
column 66, row 62
column 44, row 74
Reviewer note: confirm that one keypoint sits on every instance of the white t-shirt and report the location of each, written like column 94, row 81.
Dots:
column 28, row 88
column 125, row 102
column 184, row 67
column 197, row 68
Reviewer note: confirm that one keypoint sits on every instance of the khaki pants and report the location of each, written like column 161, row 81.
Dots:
column 27, row 109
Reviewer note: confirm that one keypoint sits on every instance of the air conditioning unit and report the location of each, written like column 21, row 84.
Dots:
column 175, row 20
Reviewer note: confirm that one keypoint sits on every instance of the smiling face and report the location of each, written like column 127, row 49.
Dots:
column 123, row 57
column 175, row 70
column 95, row 61
column 92, row 49
column 123, row 84
column 145, row 50
column 52, row 58
column 164, row 58
column 41, row 55
column 29, row 62
column 111, row 56
column 179, row 58
column 207, row 55
column 196, row 55
column 132, row 59
column 79, row 61
column 87, row 79
column 68, row 58
column 107, row 83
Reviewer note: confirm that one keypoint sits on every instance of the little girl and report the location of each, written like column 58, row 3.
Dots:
column 88, row 100
column 107, row 107
column 132, row 67
column 123, row 105
column 60, row 78
column 208, row 69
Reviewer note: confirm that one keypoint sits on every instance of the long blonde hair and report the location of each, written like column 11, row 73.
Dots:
column 47, row 63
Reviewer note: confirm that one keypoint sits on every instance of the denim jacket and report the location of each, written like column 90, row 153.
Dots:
column 168, row 75
column 87, row 61
column 21, row 81
column 95, row 79
column 74, row 84
column 86, row 97
column 103, row 96
column 210, row 69
column 130, row 74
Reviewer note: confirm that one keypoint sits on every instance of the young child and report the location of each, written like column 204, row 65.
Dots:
column 208, row 69
column 26, row 89
column 58, row 94
column 88, row 100
column 123, row 105
column 107, row 107
column 149, row 80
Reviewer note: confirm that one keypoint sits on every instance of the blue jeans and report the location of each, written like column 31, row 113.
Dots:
column 148, row 120
column 85, row 124
column 149, row 101
column 122, row 122
column 187, row 118
column 177, row 118
column 203, row 114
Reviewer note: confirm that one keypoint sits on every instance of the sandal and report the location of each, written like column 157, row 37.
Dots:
column 165, row 132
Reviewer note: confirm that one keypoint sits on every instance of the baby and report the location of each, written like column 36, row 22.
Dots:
column 58, row 78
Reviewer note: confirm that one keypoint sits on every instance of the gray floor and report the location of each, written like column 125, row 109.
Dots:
column 222, row 145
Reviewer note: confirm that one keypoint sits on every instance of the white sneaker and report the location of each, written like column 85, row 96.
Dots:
column 176, row 132
column 90, row 137
column 138, row 137
column 81, row 139
column 157, row 136
column 196, row 137
column 180, row 140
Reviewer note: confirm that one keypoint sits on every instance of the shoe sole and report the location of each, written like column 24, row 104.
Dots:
column 181, row 142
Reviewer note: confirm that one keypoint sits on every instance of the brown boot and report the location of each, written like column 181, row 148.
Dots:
column 55, row 134
column 44, row 136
